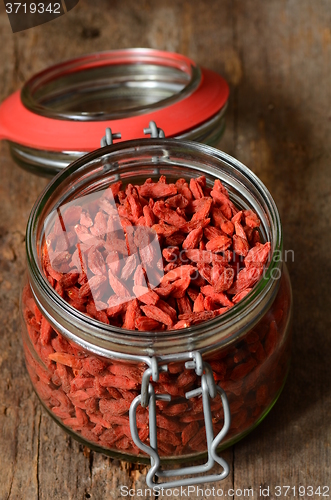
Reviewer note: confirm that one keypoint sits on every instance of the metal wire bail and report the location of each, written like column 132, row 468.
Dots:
column 208, row 390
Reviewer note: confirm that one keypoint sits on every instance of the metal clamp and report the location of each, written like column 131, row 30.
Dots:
column 208, row 390
column 154, row 131
column 108, row 139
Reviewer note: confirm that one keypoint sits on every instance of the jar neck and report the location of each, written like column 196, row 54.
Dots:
column 247, row 190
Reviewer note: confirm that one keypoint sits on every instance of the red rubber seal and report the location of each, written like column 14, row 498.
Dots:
column 22, row 126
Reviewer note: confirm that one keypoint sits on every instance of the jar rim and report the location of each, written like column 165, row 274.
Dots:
column 49, row 92
column 102, row 338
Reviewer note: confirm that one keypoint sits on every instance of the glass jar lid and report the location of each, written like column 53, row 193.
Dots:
column 66, row 108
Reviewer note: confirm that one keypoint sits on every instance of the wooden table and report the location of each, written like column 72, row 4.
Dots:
column 277, row 58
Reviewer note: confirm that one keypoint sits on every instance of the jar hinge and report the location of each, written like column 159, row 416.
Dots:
column 154, row 131
column 208, row 390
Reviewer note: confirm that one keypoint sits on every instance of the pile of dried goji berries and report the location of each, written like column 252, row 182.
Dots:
column 156, row 256
column 91, row 396
column 98, row 258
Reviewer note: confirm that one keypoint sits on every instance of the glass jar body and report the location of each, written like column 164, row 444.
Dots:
column 78, row 365
column 90, row 396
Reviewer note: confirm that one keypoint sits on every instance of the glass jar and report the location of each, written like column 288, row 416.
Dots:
column 61, row 113
column 87, row 373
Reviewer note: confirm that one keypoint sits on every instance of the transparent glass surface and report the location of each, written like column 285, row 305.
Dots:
column 87, row 372
column 90, row 396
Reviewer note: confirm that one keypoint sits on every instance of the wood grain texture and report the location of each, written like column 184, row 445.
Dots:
column 277, row 57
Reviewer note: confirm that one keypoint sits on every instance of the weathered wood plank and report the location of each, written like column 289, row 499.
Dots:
column 284, row 136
